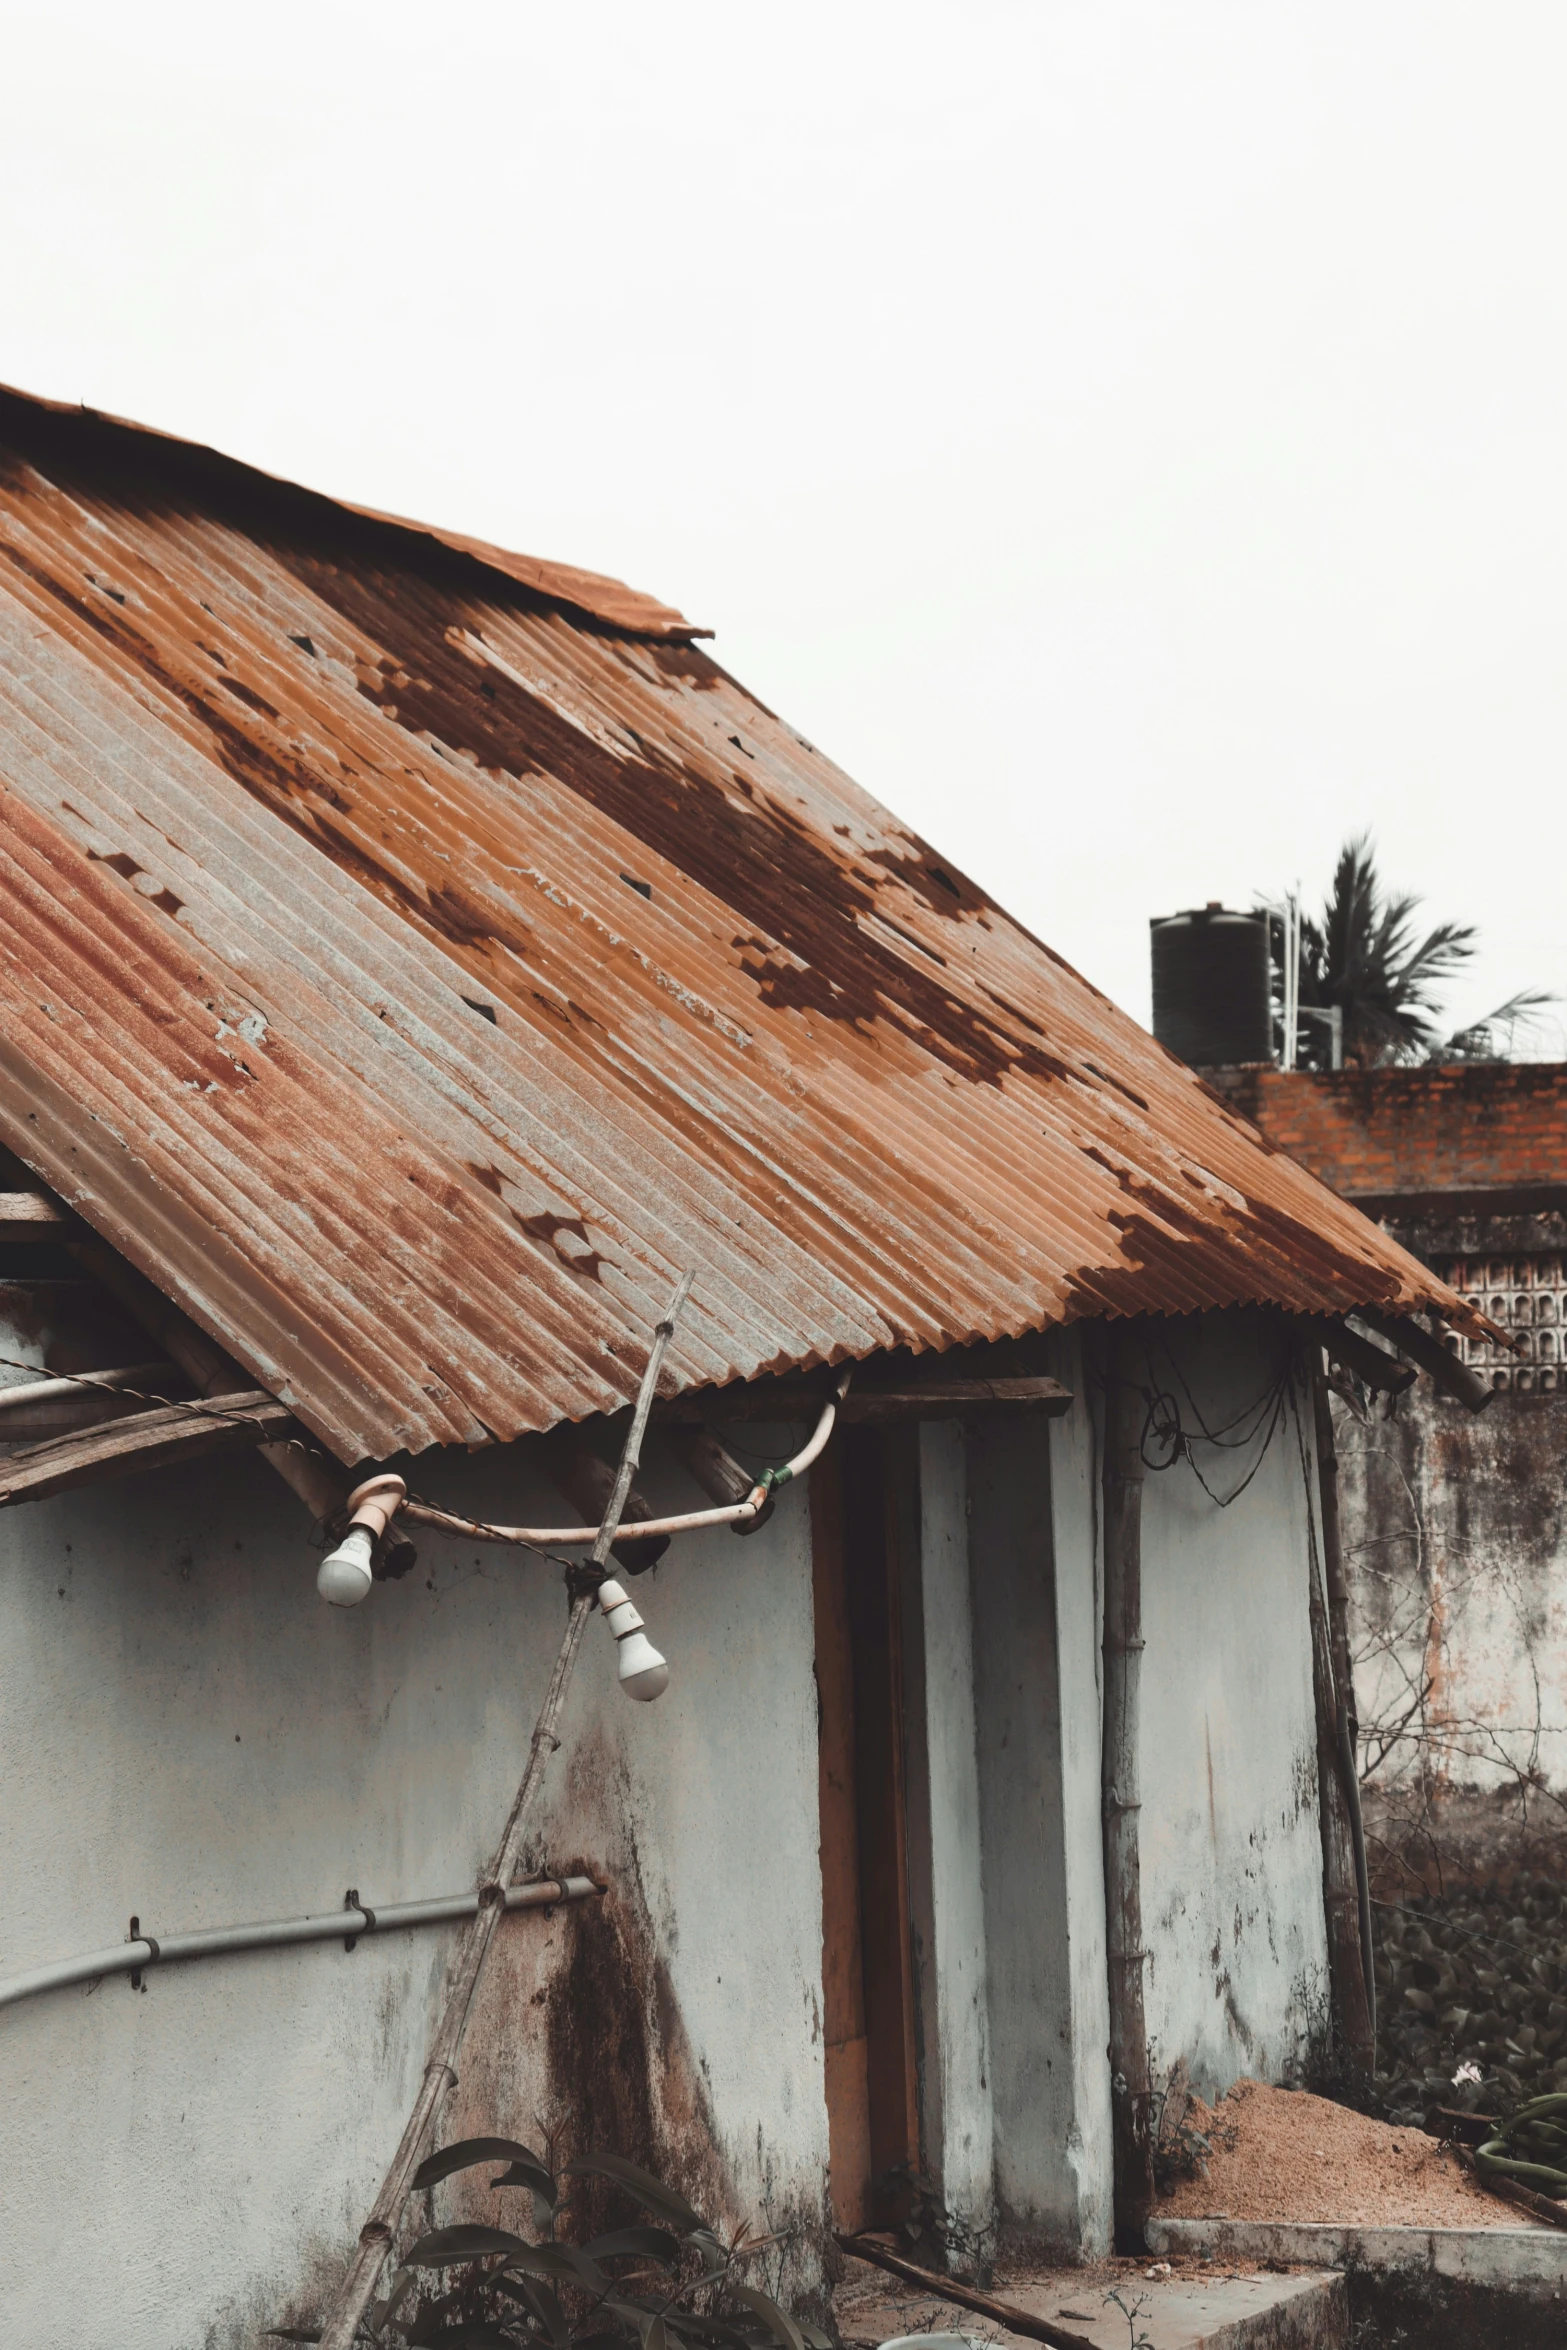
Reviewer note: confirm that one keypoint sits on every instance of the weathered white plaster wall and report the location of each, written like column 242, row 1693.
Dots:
column 188, row 1734
column 1231, row 1852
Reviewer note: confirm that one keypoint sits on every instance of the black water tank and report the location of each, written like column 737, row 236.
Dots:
column 1211, row 987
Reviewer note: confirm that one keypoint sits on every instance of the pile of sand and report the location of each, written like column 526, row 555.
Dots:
column 1282, row 2154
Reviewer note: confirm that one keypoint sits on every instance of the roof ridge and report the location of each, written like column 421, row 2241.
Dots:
column 591, row 593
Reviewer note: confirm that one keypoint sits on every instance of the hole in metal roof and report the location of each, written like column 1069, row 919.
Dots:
column 485, row 1011
column 644, row 889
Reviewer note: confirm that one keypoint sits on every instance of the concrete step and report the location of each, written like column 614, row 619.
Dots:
column 1530, row 2261
column 1428, row 2288
column 1196, row 2313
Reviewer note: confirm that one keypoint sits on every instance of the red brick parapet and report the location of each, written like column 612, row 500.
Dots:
column 1474, row 1130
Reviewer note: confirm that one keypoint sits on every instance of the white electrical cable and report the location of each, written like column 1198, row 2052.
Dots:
column 738, row 1513
column 125, row 1958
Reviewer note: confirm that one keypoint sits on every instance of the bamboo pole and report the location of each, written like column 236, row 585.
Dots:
column 1131, row 2085
column 1332, row 1541
column 440, row 2073
column 1360, row 2030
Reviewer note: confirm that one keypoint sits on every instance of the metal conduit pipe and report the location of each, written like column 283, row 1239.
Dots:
column 739, row 1514
column 566, row 1537
column 335, row 1925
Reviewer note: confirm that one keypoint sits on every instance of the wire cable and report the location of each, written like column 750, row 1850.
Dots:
column 1166, row 1439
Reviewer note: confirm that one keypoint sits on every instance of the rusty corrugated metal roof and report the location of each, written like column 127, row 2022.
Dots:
column 409, row 973
column 196, row 469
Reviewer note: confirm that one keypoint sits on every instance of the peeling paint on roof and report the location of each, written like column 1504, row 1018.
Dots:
column 410, row 968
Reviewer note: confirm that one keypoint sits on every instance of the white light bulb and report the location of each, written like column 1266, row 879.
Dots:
column 344, row 1578
column 643, row 1673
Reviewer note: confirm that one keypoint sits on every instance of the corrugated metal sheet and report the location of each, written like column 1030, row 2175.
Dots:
column 409, row 975
column 197, row 468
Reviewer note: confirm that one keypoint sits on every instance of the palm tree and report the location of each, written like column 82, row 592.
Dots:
column 1364, row 956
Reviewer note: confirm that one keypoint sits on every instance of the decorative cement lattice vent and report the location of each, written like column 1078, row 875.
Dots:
column 1527, row 1295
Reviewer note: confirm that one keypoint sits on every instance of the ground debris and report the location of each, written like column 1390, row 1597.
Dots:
column 1286, row 2155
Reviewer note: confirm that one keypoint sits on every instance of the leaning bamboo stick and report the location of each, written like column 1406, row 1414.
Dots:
column 440, row 2072
column 1001, row 2313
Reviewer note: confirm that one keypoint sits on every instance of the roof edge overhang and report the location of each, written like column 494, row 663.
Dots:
column 589, row 595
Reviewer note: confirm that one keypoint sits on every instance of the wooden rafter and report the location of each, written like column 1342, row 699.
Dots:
column 924, row 1399
column 150, row 1440
column 29, row 1215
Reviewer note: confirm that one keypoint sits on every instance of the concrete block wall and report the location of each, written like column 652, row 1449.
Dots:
column 1455, row 1536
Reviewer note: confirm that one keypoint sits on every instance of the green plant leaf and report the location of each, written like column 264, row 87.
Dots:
column 541, row 2303
column 640, row 2183
column 439, row 2329
column 692, row 2326
column 526, row 2168
column 529, row 2174
column 783, row 2329
column 681, row 2325
column 560, row 2260
column 653, row 2337
column 443, row 2246
column 654, row 2243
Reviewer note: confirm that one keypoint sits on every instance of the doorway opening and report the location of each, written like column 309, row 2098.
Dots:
column 868, row 1966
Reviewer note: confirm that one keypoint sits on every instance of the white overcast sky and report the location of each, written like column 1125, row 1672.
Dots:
column 1132, row 440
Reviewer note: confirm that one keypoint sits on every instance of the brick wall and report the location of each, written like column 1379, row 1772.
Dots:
column 1387, row 1135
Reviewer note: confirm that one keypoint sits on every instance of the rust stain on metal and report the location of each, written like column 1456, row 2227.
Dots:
column 412, row 963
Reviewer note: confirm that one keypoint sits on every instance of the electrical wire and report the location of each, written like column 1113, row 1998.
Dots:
column 1166, row 1439
column 203, row 1407
column 1217, row 1436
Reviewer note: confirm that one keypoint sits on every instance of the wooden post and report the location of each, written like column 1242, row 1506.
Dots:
column 1131, row 2086
column 1333, row 1545
column 1344, row 1874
